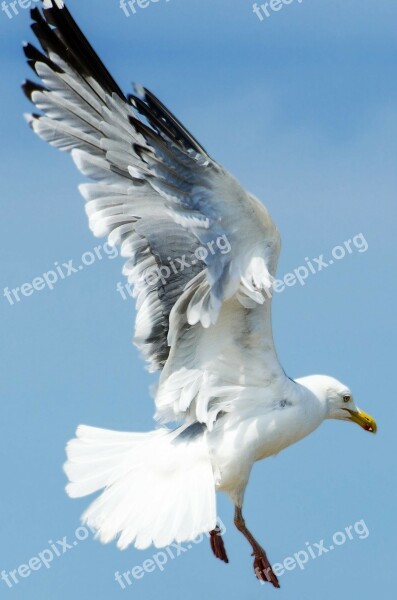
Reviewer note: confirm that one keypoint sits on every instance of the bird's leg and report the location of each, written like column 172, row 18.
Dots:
column 217, row 545
column 262, row 567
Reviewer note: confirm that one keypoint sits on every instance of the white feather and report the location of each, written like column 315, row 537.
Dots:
column 157, row 490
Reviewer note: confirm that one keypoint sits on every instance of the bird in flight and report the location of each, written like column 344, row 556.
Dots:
column 201, row 256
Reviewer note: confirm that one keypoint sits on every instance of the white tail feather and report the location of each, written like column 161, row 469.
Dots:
column 156, row 490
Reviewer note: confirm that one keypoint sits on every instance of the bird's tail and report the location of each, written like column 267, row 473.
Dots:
column 157, row 489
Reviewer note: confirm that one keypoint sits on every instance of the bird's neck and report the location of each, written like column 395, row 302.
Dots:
column 313, row 395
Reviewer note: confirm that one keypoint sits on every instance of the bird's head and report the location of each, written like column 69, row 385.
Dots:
column 338, row 400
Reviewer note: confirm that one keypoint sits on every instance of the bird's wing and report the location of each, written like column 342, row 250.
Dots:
column 201, row 252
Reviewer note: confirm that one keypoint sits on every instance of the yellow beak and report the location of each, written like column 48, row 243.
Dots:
column 361, row 418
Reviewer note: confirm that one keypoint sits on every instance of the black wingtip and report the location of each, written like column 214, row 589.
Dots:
column 29, row 87
column 35, row 14
column 34, row 55
column 29, row 50
column 182, row 135
column 57, row 31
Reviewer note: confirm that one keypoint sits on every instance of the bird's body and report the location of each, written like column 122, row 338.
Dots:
column 275, row 418
column 201, row 256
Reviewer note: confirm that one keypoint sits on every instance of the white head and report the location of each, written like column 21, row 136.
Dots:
column 338, row 400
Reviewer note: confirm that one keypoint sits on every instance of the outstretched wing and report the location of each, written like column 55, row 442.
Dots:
column 200, row 251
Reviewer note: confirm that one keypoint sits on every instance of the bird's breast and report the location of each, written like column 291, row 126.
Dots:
column 238, row 443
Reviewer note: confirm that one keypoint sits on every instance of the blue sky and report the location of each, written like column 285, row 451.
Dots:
column 302, row 109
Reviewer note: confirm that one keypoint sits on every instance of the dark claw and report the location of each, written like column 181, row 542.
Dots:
column 217, row 545
column 263, row 569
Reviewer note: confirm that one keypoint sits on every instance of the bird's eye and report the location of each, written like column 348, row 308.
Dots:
column 347, row 398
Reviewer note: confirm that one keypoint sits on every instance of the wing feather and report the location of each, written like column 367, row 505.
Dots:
column 201, row 252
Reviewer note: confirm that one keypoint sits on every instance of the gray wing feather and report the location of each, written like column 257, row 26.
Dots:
column 157, row 193
column 151, row 193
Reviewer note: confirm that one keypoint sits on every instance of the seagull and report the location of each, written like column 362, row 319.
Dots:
column 201, row 256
